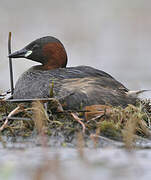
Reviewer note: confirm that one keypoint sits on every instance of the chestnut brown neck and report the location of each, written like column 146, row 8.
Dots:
column 55, row 56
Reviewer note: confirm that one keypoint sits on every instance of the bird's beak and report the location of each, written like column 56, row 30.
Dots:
column 23, row 53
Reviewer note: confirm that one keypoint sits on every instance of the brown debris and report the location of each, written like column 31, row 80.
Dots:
column 79, row 120
column 95, row 111
column 18, row 109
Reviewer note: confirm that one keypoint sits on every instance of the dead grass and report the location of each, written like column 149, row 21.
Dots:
column 113, row 122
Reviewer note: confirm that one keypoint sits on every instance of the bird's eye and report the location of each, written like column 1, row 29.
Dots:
column 36, row 46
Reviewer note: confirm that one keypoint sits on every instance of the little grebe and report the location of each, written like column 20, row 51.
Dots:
column 73, row 86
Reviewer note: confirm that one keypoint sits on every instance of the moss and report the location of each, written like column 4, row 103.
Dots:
column 110, row 129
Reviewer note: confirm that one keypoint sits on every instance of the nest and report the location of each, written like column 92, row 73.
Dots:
column 97, row 120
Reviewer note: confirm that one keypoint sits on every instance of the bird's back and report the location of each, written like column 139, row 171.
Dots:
column 73, row 86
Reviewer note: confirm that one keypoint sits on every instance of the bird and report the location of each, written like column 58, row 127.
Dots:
column 74, row 87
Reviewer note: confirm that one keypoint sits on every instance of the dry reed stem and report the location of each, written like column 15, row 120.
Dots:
column 130, row 129
column 40, row 119
column 80, row 145
column 95, row 138
column 49, row 168
column 39, row 116
column 144, row 128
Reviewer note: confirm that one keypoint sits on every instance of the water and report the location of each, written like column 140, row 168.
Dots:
column 27, row 159
column 66, row 163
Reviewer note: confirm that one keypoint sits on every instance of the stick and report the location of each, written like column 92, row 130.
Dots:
column 15, row 111
column 16, row 118
column 79, row 121
column 10, row 64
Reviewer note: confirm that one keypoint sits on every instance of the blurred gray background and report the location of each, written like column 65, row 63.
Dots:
column 111, row 35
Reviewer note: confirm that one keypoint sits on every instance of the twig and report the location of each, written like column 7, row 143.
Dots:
column 15, row 111
column 10, row 64
column 79, row 121
column 16, row 118
column 97, row 117
column 30, row 100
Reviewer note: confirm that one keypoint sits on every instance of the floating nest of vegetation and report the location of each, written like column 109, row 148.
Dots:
column 28, row 119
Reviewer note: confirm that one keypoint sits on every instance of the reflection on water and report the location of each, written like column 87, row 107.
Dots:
column 27, row 159
column 66, row 164
column 114, row 35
